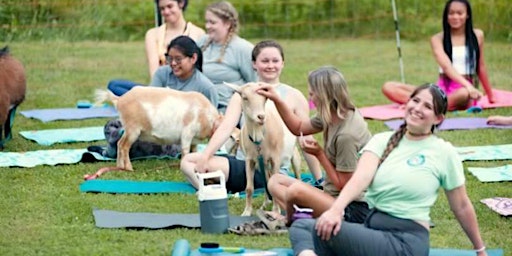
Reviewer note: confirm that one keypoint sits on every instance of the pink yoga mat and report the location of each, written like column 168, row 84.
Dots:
column 502, row 98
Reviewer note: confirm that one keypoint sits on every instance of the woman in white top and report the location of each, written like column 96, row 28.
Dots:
column 174, row 25
column 458, row 50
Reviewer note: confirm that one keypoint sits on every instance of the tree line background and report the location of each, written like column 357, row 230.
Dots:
column 122, row 20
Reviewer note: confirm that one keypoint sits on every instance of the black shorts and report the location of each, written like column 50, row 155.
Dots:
column 237, row 181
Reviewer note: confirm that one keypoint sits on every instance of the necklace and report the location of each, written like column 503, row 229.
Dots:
column 418, row 134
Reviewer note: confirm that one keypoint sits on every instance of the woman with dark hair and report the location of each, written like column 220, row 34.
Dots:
column 458, row 50
column 157, row 40
column 402, row 173
column 183, row 73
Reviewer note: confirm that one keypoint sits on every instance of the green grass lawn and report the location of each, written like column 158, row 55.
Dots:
column 43, row 212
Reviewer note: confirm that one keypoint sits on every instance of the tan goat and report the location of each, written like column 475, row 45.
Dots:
column 265, row 135
column 163, row 116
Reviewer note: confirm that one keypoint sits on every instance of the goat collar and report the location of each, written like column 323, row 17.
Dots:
column 256, row 142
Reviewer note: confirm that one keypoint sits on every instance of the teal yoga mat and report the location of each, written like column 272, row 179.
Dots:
column 136, row 187
column 52, row 136
column 492, row 174
column 182, row 247
column 488, row 152
column 149, row 187
column 146, row 187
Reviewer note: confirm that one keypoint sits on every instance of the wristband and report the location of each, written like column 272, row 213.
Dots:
column 481, row 249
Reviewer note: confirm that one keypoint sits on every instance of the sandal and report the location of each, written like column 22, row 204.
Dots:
column 270, row 221
column 255, row 228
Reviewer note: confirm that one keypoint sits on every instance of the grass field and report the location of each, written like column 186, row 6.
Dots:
column 43, row 212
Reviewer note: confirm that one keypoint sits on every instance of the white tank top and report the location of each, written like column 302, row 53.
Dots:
column 460, row 60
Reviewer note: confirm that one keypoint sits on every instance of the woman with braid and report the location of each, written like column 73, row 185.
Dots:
column 458, row 50
column 402, row 172
column 227, row 57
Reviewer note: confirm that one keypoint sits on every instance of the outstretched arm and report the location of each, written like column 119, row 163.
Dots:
column 329, row 223
column 482, row 70
column 465, row 213
column 152, row 51
column 229, row 122
column 296, row 124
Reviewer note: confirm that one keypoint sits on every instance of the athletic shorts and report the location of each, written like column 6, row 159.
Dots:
column 237, row 181
column 449, row 86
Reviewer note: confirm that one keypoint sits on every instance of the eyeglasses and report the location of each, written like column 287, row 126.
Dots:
column 176, row 60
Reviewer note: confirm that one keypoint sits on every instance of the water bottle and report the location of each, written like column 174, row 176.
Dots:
column 213, row 202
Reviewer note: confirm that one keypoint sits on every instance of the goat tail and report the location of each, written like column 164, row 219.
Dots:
column 102, row 96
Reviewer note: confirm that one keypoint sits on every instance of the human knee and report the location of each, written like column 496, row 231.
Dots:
column 387, row 87
column 294, row 191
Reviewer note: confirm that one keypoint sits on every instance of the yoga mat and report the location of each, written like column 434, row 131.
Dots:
column 433, row 252
column 47, row 115
column 56, row 156
column 392, row 111
column 149, row 187
column 490, row 152
column 383, row 112
column 501, row 205
column 136, row 187
column 52, row 136
column 462, row 123
column 181, row 247
column 116, row 219
column 492, row 174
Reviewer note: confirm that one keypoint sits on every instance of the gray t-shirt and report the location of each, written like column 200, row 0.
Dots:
column 235, row 67
column 198, row 82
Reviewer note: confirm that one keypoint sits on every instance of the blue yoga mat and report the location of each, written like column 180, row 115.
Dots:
column 489, row 152
column 52, row 136
column 492, row 174
column 462, row 123
column 47, row 115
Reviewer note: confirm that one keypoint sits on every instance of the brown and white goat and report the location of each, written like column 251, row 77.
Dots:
column 163, row 116
column 12, row 92
column 265, row 135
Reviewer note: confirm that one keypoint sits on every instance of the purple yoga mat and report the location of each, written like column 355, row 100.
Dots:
column 462, row 123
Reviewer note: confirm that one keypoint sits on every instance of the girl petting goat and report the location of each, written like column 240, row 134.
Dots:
column 12, row 92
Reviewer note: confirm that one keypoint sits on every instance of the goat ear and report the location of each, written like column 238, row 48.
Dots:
column 233, row 86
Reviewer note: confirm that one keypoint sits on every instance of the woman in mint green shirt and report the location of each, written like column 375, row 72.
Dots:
column 402, row 172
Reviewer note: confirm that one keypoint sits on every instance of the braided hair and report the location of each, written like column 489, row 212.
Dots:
column 228, row 14
column 440, row 103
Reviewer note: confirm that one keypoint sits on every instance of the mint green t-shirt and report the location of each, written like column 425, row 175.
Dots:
column 406, row 184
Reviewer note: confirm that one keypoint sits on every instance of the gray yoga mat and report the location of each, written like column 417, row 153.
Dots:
column 116, row 219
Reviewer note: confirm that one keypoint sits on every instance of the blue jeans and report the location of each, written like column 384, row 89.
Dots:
column 120, row 87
